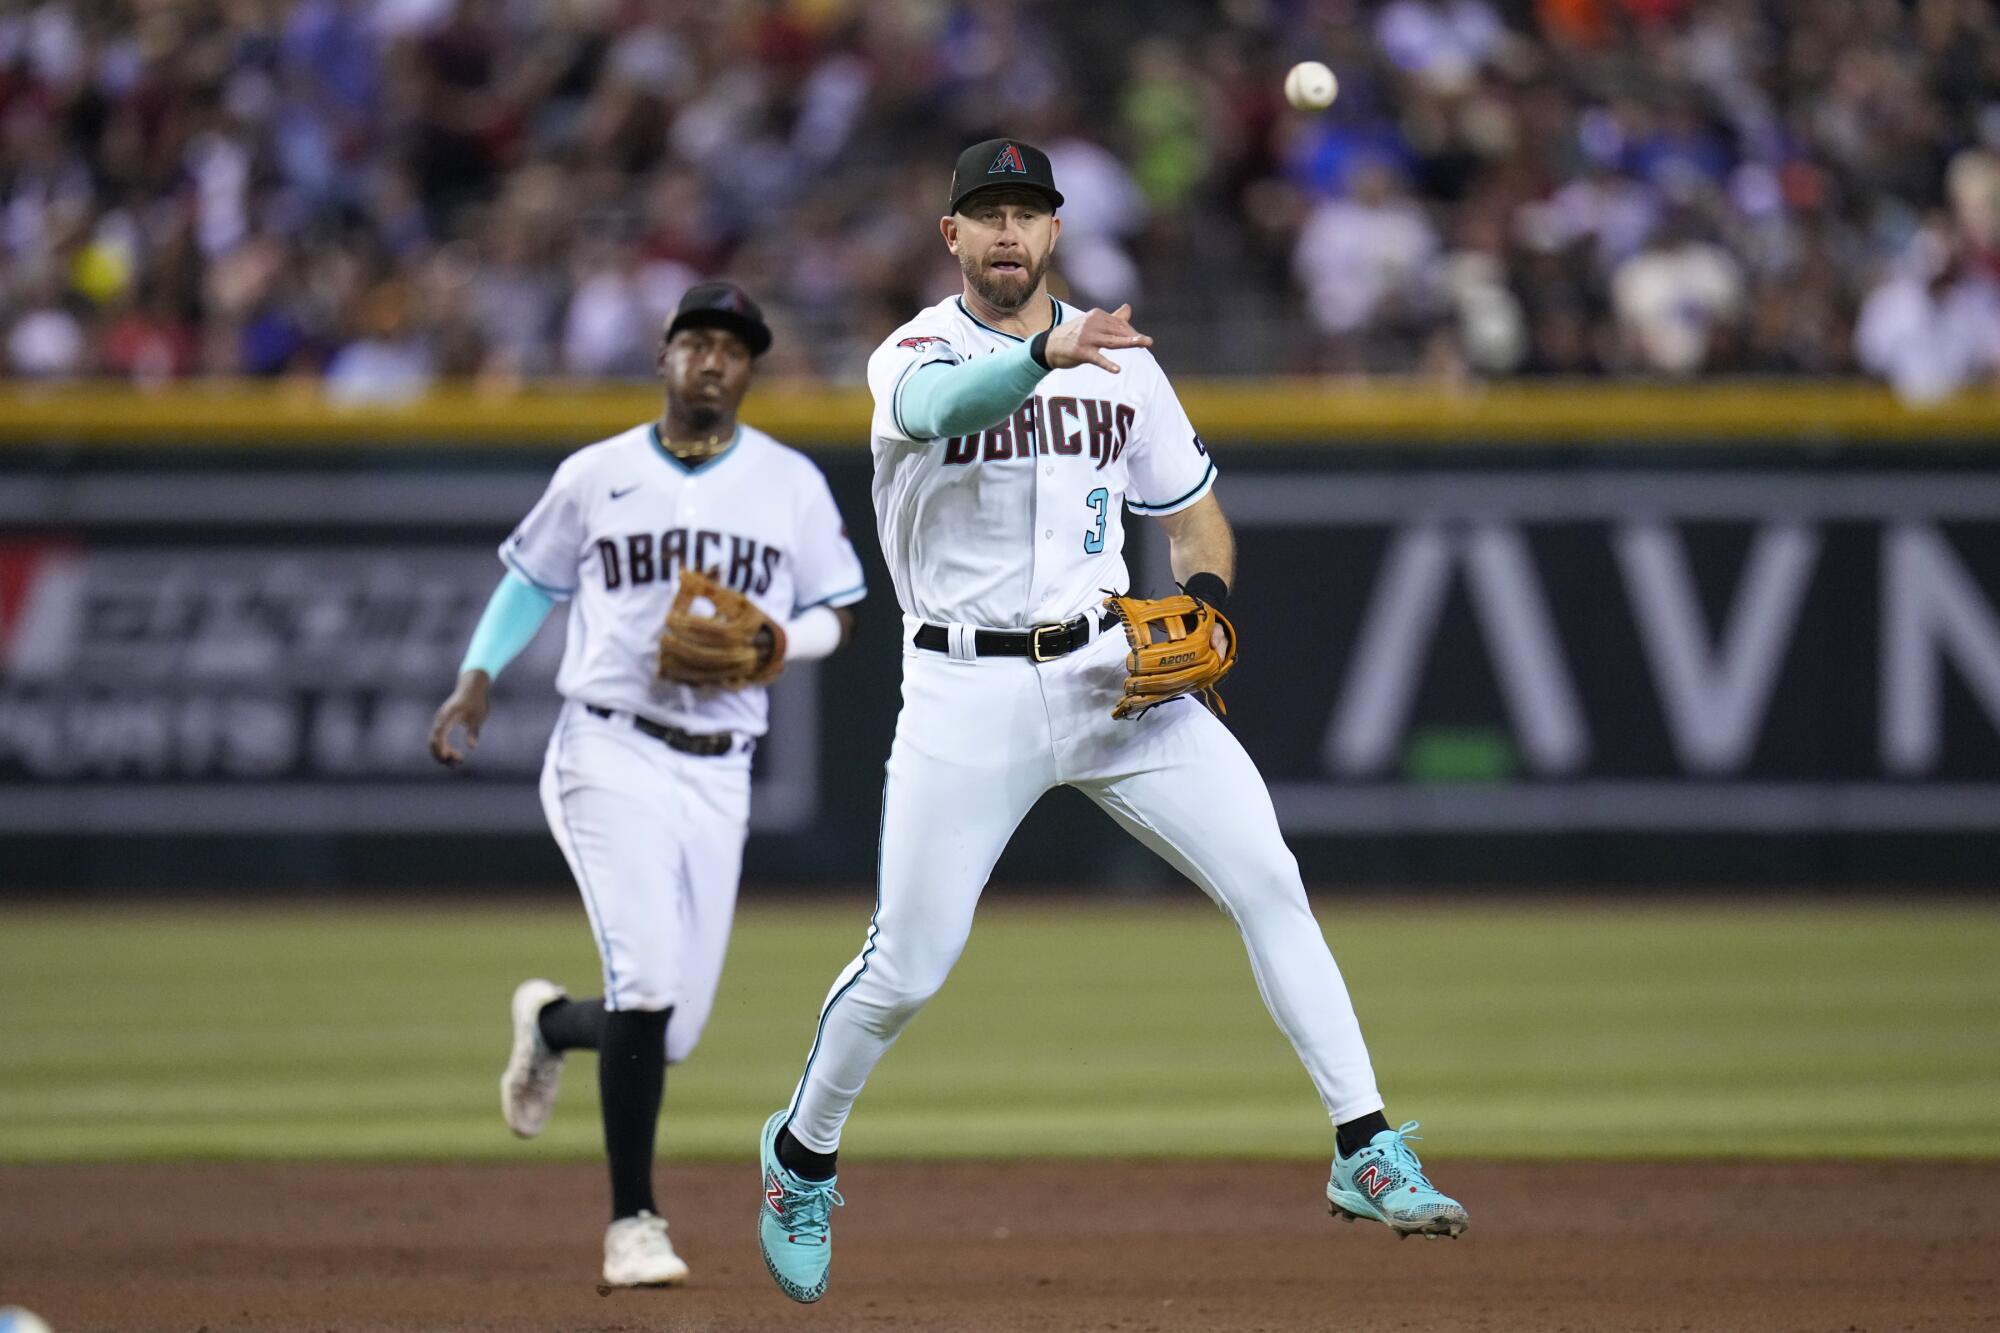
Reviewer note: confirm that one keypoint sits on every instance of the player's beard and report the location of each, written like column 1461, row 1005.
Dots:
column 1003, row 293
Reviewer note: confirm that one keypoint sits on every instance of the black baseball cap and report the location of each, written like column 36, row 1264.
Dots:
column 1003, row 162
column 722, row 305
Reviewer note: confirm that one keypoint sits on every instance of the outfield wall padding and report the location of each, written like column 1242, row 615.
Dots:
column 1513, row 648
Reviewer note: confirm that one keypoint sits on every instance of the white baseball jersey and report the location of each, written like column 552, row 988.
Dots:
column 1020, row 524
column 623, row 517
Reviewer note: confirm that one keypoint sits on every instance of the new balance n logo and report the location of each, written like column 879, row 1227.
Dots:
column 774, row 1193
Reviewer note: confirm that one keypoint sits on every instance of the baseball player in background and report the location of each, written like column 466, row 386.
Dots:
column 1009, row 430
column 698, row 556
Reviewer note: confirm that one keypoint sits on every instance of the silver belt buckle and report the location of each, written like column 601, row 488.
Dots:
column 1035, row 642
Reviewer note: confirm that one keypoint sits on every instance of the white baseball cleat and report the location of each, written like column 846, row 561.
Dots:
column 637, row 1253
column 528, row 1084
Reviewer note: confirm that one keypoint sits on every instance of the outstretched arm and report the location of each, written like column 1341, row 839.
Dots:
column 956, row 398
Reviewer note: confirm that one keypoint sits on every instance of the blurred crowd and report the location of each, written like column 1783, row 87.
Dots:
column 384, row 192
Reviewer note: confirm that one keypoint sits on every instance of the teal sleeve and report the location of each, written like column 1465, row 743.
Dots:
column 513, row 614
column 942, row 398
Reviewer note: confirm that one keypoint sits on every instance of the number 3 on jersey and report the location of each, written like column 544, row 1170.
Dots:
column 1100, row 500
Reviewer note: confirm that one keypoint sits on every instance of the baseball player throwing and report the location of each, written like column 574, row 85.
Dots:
column 1009, row 431
column 698, row 556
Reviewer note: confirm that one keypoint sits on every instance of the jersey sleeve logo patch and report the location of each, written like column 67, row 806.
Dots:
column 1009, row 160
column 919, row 344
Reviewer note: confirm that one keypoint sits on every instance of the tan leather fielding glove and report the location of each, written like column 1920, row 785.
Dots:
column 1173, row 652
column 723, row 647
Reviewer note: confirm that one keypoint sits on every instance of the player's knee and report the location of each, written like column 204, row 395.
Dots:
column 915, row 971
column 1267, row 880
column 897, row 1005
column 912, row 998
column 895, row 1000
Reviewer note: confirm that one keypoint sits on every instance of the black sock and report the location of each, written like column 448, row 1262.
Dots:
column 802, row 1161
column 573, row 1025
column 631, row 1075
column 1354, row 1135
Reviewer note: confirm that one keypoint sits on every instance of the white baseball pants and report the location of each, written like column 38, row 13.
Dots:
column 655, row 840
column 978, row 741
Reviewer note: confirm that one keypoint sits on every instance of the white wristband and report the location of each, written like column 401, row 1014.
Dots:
column 813, row 635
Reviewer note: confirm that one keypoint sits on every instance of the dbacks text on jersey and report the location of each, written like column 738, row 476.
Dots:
column 639, row 559
column 1071, row 422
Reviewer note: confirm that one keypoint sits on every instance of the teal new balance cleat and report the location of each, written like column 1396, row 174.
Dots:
column 795, row 1223
column 1385, row 1183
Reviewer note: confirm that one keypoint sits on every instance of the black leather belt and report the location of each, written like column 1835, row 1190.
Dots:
column 1043, row 643
column 687, row 742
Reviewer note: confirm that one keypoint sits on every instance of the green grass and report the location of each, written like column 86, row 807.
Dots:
column 1545, row 1030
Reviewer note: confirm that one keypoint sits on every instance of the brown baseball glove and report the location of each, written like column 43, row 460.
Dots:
column 1173, row 651
column 731, row 645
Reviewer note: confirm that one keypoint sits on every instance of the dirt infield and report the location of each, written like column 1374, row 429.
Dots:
column 1126, row 1247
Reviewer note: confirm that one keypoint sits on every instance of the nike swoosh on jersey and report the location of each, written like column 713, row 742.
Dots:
column 619, row 495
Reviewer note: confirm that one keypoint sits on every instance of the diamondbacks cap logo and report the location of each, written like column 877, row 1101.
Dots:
column 1009, row 160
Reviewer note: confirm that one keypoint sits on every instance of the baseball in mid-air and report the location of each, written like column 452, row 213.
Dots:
column 1311, row 86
